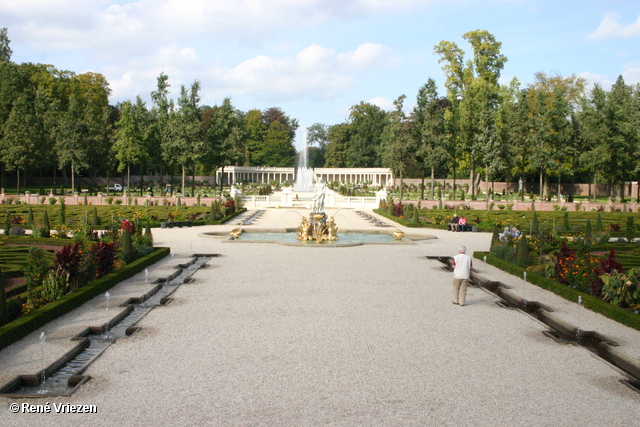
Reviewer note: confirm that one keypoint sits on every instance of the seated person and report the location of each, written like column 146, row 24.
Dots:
column 504, row 236
column 453, row 225
column 515, row 232
column 462, row 222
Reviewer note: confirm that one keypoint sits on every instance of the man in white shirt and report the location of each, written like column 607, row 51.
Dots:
column 462, row 264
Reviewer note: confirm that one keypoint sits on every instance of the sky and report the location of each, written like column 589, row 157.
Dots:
column 316, row 58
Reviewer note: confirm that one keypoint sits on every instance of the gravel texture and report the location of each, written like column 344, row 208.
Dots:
column 366, row 335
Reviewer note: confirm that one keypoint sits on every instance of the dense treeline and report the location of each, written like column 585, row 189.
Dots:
column 548, row 132
column 56, row 122
column 552, row 131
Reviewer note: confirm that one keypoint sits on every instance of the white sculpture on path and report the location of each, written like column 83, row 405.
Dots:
column 234, row 192
column 318, row 197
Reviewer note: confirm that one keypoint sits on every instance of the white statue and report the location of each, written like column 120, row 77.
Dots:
column 234, row 192
column 318, row 197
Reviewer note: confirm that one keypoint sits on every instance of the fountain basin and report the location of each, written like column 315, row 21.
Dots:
column 288, row 236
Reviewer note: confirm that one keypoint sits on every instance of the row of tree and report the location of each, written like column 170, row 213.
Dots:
column 548, row 130
column 52, row 120
column 551, row 130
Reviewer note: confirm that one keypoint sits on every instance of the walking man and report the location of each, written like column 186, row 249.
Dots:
column 462, row 264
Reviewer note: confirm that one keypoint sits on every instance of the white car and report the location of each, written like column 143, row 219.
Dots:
column 115, row 187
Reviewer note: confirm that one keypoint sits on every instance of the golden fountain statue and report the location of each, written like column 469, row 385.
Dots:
column 317, row 227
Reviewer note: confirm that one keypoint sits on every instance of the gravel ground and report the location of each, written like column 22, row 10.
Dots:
column 366, row 335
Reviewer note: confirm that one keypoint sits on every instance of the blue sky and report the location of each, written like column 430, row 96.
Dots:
column 316, row 58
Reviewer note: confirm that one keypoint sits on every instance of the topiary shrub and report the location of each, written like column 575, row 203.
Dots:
column 95, row 218
column 522, row 258
column 126, row 251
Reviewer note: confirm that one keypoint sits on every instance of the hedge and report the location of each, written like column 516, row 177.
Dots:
column 23, row 326
column 613, row 312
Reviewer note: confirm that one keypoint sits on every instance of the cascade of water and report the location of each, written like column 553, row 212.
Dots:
column 304, row 174
column 43, row 340
column 106, row 328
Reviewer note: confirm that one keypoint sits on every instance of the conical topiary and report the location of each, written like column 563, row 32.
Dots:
column 587, row 230
column 7, row 224
column 523, row 252
column 598, row 227
column 416, row 216
column 127, row 244
column 534, row 223
column 95, row 219
column 565, row 221
column 30, row 217
column 46, row 227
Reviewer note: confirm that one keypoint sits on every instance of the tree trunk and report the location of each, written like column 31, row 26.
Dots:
column 184, row 174
column 128, row 179
column 422, row 186
column 486, row 178
column 595, row 189
column 193, row 181
column 221, row 179
column 73, row 179
column 541, row 186
column 17, row 181
column 433, row 183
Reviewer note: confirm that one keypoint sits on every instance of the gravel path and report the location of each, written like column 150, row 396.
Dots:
column 365, row 335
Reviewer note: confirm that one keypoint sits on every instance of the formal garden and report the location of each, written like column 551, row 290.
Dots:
column 75, row 252
column 593, row 257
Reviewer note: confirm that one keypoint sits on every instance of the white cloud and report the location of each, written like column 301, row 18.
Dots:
column 631, row 73
column 109, row 27
column 315, row 72
column 383, row 103
column 604, row 81
column 610, row 27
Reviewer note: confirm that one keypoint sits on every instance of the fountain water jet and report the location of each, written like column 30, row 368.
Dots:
column 304, row 174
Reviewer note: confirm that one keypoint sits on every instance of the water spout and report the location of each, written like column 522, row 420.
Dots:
column 304, row 174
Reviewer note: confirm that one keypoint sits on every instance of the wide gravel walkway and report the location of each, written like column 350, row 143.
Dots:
column 301, row 336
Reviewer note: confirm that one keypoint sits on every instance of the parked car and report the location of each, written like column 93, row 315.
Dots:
column 115, row 187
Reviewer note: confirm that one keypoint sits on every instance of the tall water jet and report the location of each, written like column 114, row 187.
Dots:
column 304, row 174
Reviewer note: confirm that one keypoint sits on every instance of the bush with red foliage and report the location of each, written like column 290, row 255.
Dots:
column 398, row 210
column 230, row 205
column 69, row 260
column 103, row 254
column 607, row 265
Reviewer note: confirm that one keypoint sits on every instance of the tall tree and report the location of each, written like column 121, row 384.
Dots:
column 472, row 89
column 159, row 133
column 222, row 136
column 338, row 138
column 367, row 122
column 398, row 143
column 18, row 143
column 71, row 136
column 130, row 141
column 5, row 49
column 429, row 132
column 185, row 145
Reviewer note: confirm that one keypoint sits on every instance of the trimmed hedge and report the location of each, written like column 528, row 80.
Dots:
column 613, row 312
column 26, row 324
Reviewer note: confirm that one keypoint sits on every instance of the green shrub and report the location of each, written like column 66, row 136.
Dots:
column 621, row 289
column 523, row 252
column 127, row 245
column 630, row 231
column 504, row 251
column 35, row 270
column 54, row 285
